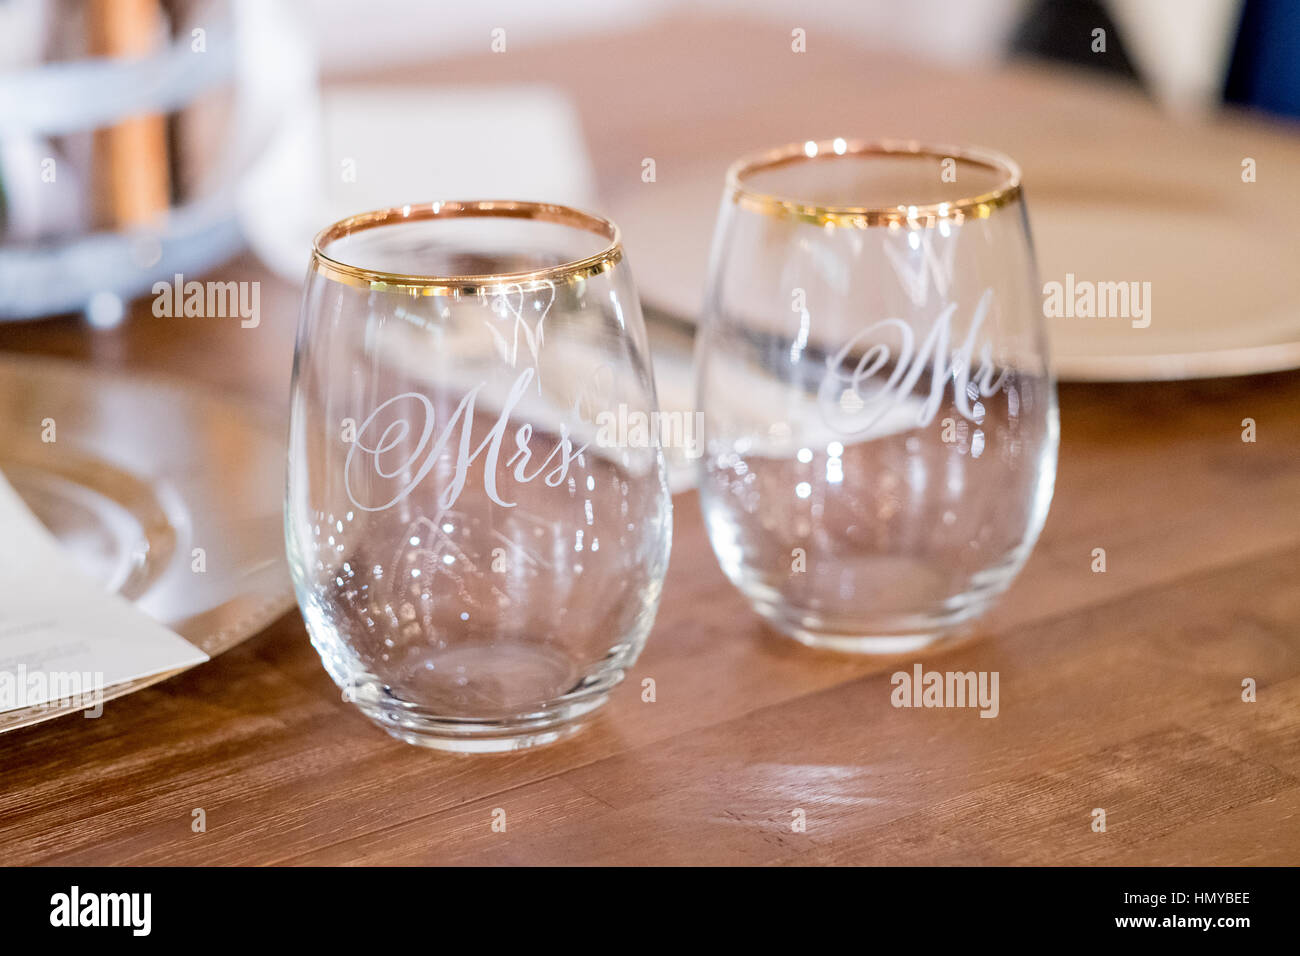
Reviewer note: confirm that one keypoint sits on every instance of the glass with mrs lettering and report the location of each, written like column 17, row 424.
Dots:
column 879, row 413
column 478, row 559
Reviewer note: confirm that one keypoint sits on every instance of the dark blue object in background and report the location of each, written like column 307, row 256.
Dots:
column 1265, row 70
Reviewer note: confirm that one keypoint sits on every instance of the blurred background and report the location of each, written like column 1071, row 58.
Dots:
column 142, row 139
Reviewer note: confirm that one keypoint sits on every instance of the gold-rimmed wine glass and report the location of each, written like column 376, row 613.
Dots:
column 477, row 562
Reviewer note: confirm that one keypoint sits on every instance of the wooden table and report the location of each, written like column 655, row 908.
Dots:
column 1120, row 690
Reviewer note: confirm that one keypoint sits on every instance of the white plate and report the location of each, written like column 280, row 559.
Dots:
column 1225, row 284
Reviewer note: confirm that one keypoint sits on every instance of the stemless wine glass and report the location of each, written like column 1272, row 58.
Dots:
column 879, row 414
column 477, row 558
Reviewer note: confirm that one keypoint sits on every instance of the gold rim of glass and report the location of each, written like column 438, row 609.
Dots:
column 380, row 281
column 903, row 214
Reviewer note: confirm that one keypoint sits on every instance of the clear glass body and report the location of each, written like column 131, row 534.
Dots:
column 879, row 413
column 477, row 561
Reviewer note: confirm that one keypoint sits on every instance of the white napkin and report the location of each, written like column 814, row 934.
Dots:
column 63, row 639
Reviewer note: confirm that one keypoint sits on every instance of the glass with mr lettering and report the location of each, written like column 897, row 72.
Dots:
column 879, row 413
column 477, row 559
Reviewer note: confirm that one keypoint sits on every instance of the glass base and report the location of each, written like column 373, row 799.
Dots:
column 464, row 699
column 484, row 735
column 900, row 635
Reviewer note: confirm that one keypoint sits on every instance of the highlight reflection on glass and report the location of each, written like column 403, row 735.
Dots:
column 880, row 416
column 476, row 560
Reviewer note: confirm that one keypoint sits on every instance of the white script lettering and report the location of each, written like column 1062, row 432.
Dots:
column 376, row 441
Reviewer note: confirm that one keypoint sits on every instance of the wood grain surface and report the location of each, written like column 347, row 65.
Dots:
column 1120, row 691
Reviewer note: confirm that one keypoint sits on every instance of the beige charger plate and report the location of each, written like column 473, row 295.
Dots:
column 1222, row 258
column 141, row 473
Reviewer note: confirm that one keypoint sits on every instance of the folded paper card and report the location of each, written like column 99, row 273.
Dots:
column 388, row 145
column 62, row 638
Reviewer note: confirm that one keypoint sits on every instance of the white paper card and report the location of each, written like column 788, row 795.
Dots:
column 61, row 636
